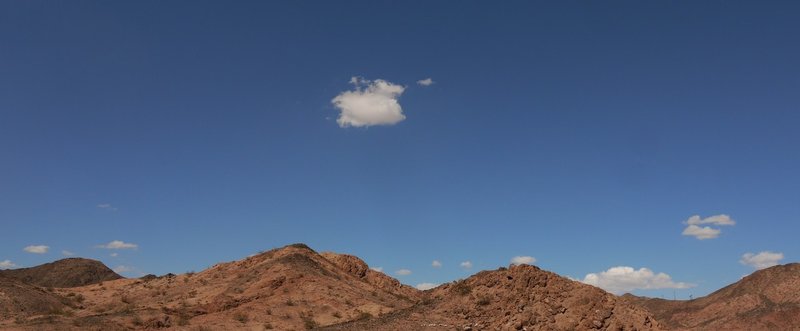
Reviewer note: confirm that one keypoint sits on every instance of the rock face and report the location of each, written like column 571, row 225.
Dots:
column 521, row 297
column 767, row 299
column 70, row 272
column 358, row 268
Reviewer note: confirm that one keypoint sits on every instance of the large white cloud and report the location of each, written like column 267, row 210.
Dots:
column 619, row 280
column 761, row 260
column 426, row 286
column 517, row 260
column 118, row 244
column 466, row 264
column 402, row 272
column 7, row 264
column 694, row 228
column 370, row 103
column 37, row 249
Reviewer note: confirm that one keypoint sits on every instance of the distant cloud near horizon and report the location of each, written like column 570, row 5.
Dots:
column 622, row 279
column 425, row 286
column 762, row 260
column 436, row 264
column 376, row 103
column 426, row 82
column 378, row 269
column 402, row 272
column 118, row 244
column 466, row 264
column 517, row 260
column 67, row 253
column 37, row 249
column 7, row 264
column 107, row 206
column 694, row 229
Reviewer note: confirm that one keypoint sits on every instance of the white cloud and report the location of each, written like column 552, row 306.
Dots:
column 7, row 264
column 426, row 286
column 436, row 264
column 107, row 206
column 426, row 82
column 378, row 269
column 761, row 260
column 701, row 233
column 113, row 254
column 123, row 269
column 67, row 253
column 118, row 244
column 402, row 272
column 466, row 264
column 374, row 104
column 517, row 260
column 37, row 249
column 716, row 220
column 619, row 280
column 694, row 229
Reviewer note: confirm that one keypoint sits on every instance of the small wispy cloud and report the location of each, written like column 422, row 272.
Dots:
column 425, row 82
column 370, row 103
column 7, row 264
column 37, row 249
column 466, row 264
column 107, row 206
column 113, row 254
column 426, row 286
column 67, row 253
column 694, row 228
column 761, row 260
column 378, row 269
column 619, row 280
column 402, row 272
column 436, row 264
column 118, row 244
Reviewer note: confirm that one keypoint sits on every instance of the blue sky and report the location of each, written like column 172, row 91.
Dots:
column 584, row 134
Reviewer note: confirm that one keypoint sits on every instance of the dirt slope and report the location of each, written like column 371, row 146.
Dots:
column 767, row 299
column 521, row 297
column 70, row 272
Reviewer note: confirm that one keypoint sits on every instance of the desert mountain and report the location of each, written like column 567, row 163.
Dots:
column 517, row 298
column 290, row 288
column 70, row 272
column 767, row 299
column 296, row 288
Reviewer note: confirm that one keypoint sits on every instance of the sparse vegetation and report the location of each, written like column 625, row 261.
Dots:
column 268, row 326
column 483, row 300
column 337, row 314
column 289, row 302
column 461, row 288
column 241, row 317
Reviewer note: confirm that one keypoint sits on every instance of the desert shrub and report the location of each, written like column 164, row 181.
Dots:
column 289, row 302
column 337, row 314
column 310, row 323
column 484, row 300
column 268, row 326
column 137, row 321
column 363, row 316
column 241, row 317
column 461, row 288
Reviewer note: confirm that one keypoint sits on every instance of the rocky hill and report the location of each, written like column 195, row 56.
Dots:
column 516, row 298
column 767, row 299
column 295, row 288
column 70, row 272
